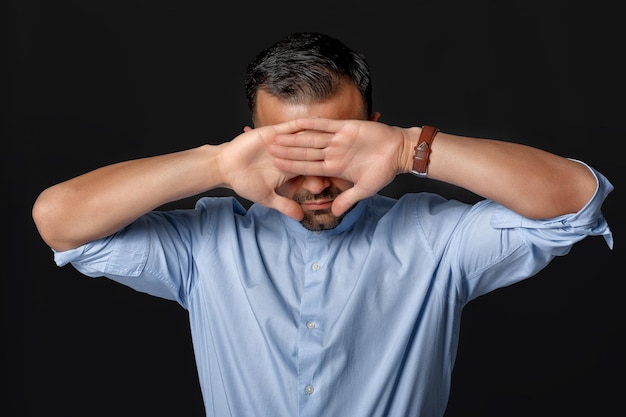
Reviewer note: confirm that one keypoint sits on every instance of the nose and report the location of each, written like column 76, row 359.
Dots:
column 315, row 185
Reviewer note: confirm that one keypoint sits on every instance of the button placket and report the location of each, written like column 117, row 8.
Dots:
column 310, row 345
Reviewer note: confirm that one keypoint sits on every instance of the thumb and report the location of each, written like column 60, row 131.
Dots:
column 348, row 198
column 285, row 205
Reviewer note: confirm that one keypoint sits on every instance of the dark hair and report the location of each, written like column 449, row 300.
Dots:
column 306, row 67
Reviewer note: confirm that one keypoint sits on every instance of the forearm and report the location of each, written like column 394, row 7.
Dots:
column 529, row 181
column 103, row 201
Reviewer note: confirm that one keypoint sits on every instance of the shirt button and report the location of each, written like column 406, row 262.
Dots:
column 308, row 390
column 310, row 325
column 315, row 266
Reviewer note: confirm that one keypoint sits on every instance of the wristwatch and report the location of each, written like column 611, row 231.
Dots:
column 422, row 151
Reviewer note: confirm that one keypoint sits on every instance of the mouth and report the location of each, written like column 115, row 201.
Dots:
column 317, row 205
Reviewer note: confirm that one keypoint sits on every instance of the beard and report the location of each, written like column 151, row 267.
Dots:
column 319, row 219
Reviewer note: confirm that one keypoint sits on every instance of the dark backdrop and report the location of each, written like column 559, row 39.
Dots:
column 88, row 83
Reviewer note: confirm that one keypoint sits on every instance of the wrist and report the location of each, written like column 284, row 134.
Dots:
column 411, row 137
column 213, row 166
column 421, row 158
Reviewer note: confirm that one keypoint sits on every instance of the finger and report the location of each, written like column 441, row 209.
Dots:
column 295, row 167
column 299, row 125
column 295, row 153
column 348, row 198
column 285, row 205
column 269, row 133
column 320, row 124
column 305, row 139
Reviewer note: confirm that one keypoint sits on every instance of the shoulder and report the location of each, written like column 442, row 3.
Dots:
column 420, row 205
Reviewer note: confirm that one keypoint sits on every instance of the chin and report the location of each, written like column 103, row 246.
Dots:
column 320, row 221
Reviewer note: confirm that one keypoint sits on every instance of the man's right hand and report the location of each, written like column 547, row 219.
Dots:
column 247, row 168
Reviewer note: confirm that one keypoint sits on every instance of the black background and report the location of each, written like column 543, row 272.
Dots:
column 88, row 83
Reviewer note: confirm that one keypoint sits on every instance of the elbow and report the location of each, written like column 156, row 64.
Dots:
column 581, row 190
column 45, row 214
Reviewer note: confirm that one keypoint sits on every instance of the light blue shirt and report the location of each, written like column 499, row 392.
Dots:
column 362, row 320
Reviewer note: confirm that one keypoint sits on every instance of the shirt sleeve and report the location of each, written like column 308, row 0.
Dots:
column 154, row 254
column 567, row 229
column 482, row 247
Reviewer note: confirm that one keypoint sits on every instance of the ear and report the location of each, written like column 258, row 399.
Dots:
column 375, row 116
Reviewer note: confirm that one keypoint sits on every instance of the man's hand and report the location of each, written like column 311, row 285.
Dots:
column 247, row 168
column 367, row 153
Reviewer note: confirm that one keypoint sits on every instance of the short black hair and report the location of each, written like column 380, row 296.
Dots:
column 305, row 67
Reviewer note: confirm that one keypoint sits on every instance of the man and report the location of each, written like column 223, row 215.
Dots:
column 324, row 298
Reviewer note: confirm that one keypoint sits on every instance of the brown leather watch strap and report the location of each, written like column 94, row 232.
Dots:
column 422, row 151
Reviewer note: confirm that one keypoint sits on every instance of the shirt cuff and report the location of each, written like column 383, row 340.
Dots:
column 588, row 221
